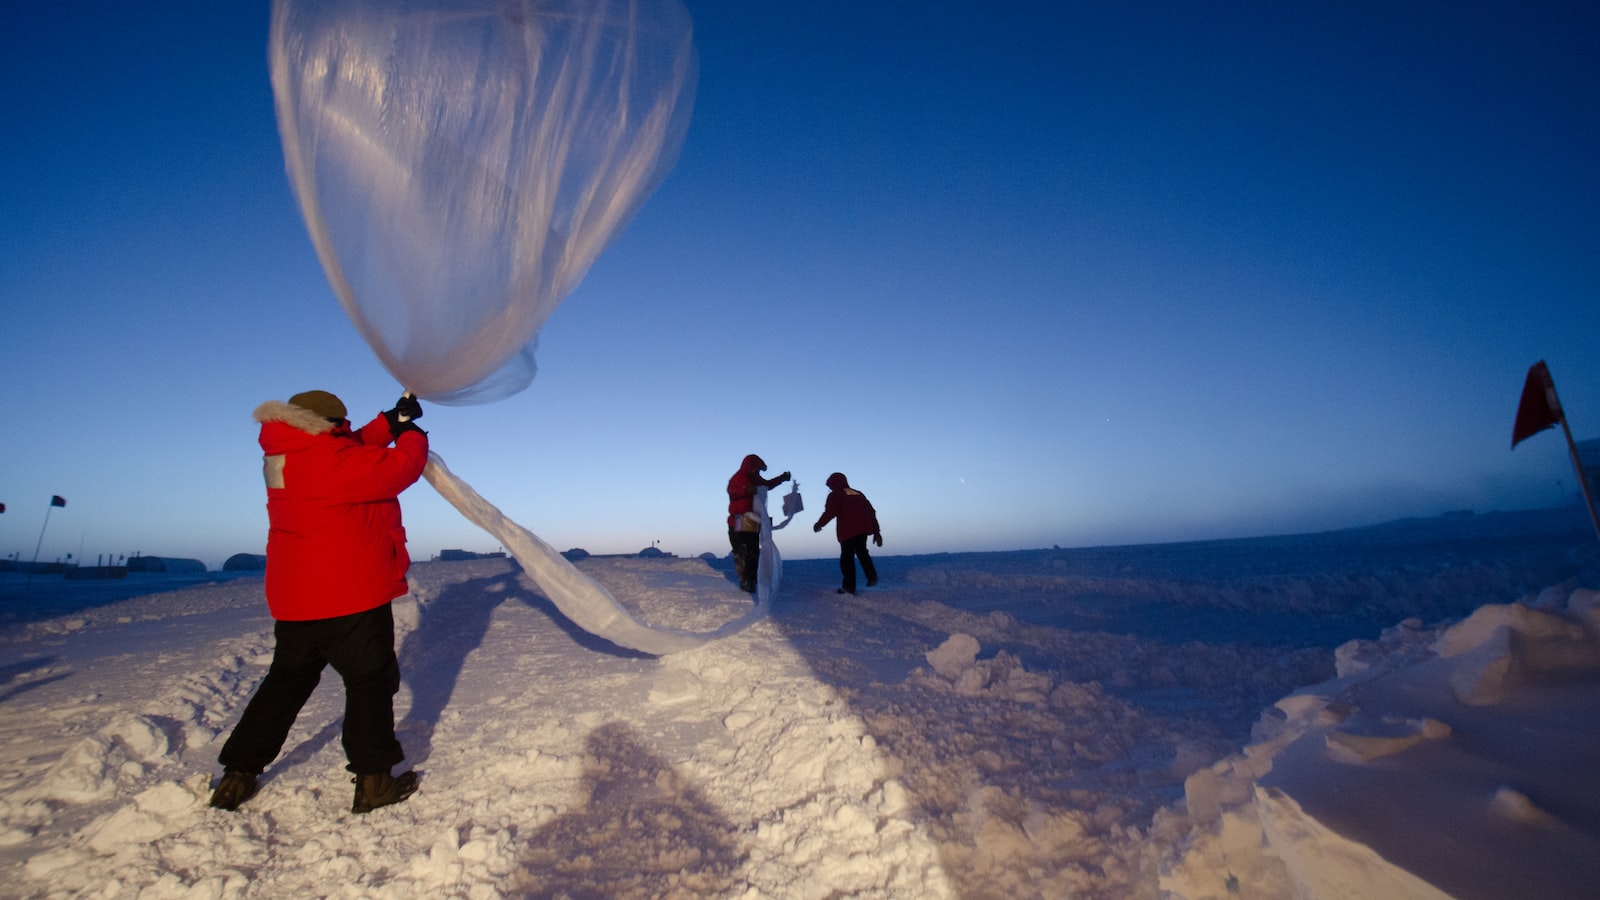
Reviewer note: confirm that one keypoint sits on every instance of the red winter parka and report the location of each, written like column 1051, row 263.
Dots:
column 854, row 513
column 742, row 492
column 335, row 543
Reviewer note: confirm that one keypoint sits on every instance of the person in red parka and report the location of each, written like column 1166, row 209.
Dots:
column 744, row 524
column 336, row 558
column 856, row 520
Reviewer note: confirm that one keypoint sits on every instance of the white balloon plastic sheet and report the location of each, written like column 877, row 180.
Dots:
column 769, row 568
column 579, row 597
column 460, row 164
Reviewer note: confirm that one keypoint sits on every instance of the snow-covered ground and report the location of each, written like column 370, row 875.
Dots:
column 1407, row 710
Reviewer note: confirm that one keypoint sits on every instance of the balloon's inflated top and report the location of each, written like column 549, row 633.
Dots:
column 460, row 165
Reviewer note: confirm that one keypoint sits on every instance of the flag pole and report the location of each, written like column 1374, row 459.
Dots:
column 1577, row 463
column 35, row 564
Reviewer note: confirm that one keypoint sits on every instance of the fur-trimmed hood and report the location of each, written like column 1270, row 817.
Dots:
column 286, row 428
column 295, row 417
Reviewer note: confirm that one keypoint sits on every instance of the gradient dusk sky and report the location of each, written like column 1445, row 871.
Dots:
column 1029, row 273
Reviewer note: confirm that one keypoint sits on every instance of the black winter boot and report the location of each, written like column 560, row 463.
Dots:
column 382, row 789
column 235, row 788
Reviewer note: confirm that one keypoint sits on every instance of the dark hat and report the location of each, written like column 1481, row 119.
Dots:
column 322, row 403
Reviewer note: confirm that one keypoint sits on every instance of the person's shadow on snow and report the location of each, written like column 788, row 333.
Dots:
column 449, row 626
column 584, row 639
column 452, row 625
column 15, row 672
column 636, row 825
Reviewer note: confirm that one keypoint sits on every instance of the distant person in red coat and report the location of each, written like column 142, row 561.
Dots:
column 856, row 520
column 336, row 557
column 744, row 523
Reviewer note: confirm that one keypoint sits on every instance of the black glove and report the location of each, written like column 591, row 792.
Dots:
column 408, row 407
column 399, row 423
column 878, row 539
column 817, row 527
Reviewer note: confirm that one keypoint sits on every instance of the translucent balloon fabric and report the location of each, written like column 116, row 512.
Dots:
column 582, row 599
column 460, row 165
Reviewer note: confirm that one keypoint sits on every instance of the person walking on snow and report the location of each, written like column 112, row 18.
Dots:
column 855, row 520
column 744, row 523
column 336, row 557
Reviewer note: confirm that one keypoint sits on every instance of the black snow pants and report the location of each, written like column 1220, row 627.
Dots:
column 746, row 557
column 360, row 648
column 850, row 550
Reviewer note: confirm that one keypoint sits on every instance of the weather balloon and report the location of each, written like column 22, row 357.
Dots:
column 460, row 165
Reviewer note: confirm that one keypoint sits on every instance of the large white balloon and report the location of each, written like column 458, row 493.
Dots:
column 460, row 165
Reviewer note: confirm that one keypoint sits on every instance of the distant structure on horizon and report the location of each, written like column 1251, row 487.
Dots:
column 457, row 555
column 168, row 564
column 650, row 552
column 245, row 562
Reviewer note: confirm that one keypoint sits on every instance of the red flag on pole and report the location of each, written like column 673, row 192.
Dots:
column 58, row 500
column 1539, row 408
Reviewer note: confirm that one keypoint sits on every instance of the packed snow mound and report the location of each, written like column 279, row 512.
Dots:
column 1478, row 729
column 1499, row 648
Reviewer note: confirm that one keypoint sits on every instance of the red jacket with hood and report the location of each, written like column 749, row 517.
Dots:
column 335, row 542
column 850, row 507
column 742, row 488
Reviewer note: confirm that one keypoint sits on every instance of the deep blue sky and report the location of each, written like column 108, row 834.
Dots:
column 1030, row 273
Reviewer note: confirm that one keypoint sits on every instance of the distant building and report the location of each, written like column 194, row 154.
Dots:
column 102, row 573
column 458, row 555
column 168, row 564
column 38, row 568
column 245, row 562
